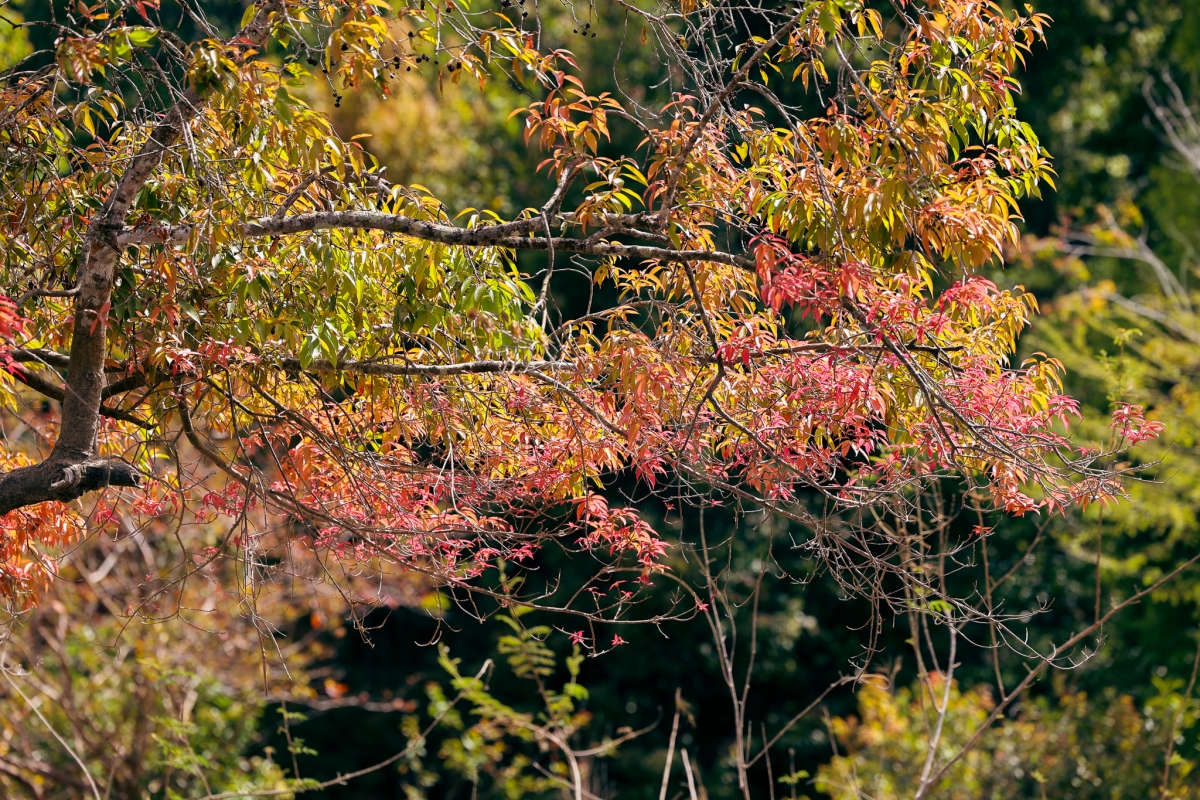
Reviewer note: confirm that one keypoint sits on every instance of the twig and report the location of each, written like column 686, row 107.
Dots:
column 662, row 793
column 687, row 767
column 4, row 669
column 1187, row 698
column 341, row 779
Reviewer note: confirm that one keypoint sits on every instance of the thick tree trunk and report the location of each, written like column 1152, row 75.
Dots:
column 73, row 468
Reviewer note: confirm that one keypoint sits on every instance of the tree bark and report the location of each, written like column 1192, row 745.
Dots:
column 73, row 467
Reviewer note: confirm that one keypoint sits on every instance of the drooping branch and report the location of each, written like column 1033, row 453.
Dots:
column 1142, row 310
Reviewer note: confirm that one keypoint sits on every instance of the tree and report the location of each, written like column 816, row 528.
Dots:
column 231, row 270
column 774, row 305
column 1072, row 746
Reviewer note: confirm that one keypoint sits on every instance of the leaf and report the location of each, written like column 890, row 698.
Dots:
column 142, row 37
column 283, row 104
column 308, row 351
column 248, row 14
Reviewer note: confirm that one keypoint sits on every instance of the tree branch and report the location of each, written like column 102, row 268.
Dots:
column 430, row 370
column 73, row 467
column 510, row 234
column 54, row 392
column 62, row 480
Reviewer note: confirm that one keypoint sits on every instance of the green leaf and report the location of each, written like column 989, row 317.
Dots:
column 248, row 15
column 329, row 342
column 794, row 778
column 308, row 351
column 283, row 104
column 142, row 37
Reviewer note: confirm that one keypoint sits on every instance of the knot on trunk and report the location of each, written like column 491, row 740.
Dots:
column 63, row 479
column 87, row 476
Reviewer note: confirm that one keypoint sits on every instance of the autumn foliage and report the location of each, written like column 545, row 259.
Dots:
column 213, row 280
